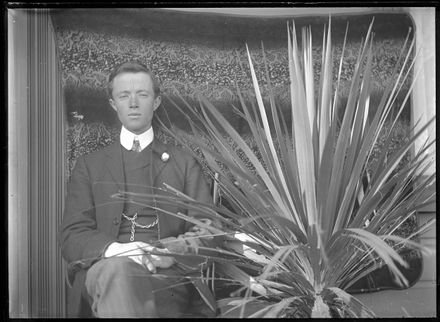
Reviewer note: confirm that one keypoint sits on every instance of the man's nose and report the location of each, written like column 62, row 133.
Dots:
column 133, row 101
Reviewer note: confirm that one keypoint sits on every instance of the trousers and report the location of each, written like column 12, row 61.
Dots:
column 121, row 288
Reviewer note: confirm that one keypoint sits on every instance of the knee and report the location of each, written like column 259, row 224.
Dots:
column 117, row 265
column 115, row 269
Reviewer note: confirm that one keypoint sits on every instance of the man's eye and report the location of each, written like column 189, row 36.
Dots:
column 143, row 95
column 123, row 96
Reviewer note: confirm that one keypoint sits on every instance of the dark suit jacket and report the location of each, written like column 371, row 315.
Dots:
column 92, row 218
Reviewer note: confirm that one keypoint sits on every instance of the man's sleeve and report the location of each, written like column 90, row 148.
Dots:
column 197, row 187
column 78, row 236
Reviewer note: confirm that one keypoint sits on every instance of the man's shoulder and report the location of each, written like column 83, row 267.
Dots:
column 179, row 150
column 178, row 153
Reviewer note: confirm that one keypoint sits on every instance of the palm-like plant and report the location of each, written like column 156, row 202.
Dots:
column 312, row 228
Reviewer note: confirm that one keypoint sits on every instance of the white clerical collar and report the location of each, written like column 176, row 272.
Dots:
column 128, row 137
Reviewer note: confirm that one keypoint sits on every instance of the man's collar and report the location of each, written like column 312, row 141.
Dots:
column 127, row 137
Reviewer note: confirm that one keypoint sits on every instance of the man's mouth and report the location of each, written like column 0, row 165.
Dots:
column 134, row 114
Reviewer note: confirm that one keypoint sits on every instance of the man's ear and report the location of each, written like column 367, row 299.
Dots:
column 112, row 104
column 157, row 102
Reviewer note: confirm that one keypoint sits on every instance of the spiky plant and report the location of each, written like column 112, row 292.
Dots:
column 311, row 227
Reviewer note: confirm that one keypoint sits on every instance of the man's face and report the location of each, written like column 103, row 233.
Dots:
column 134, row 101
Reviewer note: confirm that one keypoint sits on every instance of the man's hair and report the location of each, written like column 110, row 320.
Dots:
column 132, row 67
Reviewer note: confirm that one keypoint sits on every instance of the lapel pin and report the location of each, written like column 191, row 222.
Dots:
column 165, row 157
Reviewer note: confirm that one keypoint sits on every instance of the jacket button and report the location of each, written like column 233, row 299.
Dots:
column 116, row 221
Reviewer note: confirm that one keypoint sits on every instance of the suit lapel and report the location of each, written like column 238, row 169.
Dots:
column 114, row 165
column 114, row 162
column 160, row 160
column 114, row 172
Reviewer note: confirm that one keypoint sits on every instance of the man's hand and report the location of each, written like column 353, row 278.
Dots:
column 139, row 252
column 189, row 241
column 203, row 231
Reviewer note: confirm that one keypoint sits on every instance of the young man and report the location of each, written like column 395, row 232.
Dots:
column 110, row 238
